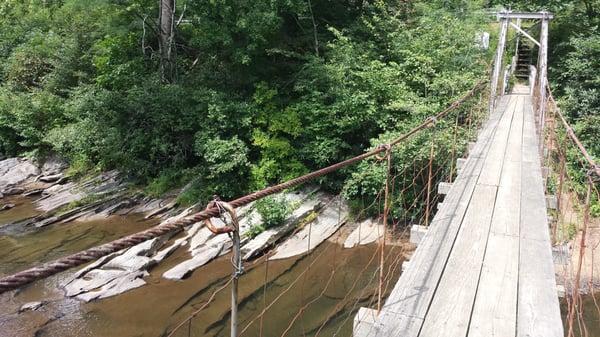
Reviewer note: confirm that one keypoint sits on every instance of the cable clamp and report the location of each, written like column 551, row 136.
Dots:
column 433, row 121
column 223, row 207
column 388, row 150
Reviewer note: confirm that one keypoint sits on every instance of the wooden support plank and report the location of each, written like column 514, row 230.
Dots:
column 498, row 63
column 494, row 312
column 488, row 130
column 538, row 312
column 493, row 164
column 530, row 141
column 506, row 211
column 451, row 307
column 524, row 15
column 444, row 187
column 542, row 71
column 525, row 34
column 515, row 138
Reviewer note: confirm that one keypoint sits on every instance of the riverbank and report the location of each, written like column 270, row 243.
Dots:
column 333, row 267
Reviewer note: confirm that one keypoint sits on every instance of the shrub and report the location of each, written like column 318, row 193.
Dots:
column 273, row 211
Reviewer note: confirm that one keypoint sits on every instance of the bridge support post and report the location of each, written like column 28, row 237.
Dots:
column 543, row 72
column 498, row 61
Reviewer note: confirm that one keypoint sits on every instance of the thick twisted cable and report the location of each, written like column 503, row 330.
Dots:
column 77, row 259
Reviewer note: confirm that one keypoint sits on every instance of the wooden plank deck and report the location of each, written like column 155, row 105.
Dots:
column 484, row 268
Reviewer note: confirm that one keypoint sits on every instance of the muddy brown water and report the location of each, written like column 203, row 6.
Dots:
column 589, row 324
column 329, row 284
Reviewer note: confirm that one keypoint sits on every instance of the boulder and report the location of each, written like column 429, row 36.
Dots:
column 31, row 306
column 11, row 174
column 6, row 207
column 53, row 165
column 8, row 164
column 201, row 258
column 366, row 232
column 59, row 195
column 51, row 178
column 114, row 274
column 13, row 190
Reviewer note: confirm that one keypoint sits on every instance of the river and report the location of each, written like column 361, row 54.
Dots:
column 330, row 283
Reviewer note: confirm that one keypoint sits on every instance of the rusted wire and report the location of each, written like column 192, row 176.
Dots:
column 593, row 166
column 77, row 259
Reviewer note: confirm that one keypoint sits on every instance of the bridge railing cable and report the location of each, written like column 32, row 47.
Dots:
column 572, row 183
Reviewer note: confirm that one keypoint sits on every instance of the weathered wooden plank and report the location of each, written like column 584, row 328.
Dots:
column 493, row 164
column 538, row 309
column 451, row 307
column 494, row 312
column 530, row 141
column 489, row 128
column 506, row 211
column 515, row 139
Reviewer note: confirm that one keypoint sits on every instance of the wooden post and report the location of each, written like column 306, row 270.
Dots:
column 498, row 62
column 543, row 72
column 428, row 201
column 518, row 38
column 386, row 210
column 532, row 82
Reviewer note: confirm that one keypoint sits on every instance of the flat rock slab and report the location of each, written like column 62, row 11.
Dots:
column 367, row 232
column 116, row 286
column 31, row 306
column 201, row 258
column 115, row 273
column 272, row 235
column 59, row 195
column 325, row 225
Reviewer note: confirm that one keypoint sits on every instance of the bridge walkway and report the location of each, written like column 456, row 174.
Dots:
column 485, row 267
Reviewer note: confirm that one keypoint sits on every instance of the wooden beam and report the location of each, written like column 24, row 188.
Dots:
column 543, row 73
column 498, row 63
column 524, row 15
column 525, row 34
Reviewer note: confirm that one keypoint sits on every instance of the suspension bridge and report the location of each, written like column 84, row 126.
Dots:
column 484, row 266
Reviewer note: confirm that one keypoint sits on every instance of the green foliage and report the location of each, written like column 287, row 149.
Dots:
column 259, row 95
column 273, row 211
column 255, row 230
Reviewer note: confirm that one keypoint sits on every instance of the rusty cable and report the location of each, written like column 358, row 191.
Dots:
column 593, row 166
column 77, row 259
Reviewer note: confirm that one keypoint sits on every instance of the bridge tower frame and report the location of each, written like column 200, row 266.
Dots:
column 505, row 18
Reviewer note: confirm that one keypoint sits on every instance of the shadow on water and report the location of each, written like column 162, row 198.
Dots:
column 158, row 307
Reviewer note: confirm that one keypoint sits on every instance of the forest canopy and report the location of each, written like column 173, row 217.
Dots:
column 251, row 92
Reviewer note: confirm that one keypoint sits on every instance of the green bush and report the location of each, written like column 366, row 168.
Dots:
column 273, row 211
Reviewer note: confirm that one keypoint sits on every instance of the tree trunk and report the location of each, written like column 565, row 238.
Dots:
column 165, row 40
